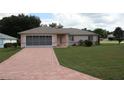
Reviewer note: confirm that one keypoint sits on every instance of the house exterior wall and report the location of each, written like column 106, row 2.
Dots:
column 23, row 39
column 67, row 40
column 54, row 40
column 9, row 41
column 77, row 38
column 95, row 38
column 62, row 40
column 3, row 41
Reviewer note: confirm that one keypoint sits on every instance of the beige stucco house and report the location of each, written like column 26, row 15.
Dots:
column 55, row 37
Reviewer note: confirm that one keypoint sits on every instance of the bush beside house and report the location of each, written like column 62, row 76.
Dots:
column 81, row 43
column 86, row 43
column 9, row 45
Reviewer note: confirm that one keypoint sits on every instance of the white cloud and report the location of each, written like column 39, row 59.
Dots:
column 90, row 20
column 83, row 20
column 7, row 14
column 70, row 20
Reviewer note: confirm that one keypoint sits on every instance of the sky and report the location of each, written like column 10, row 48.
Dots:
column 90, row 21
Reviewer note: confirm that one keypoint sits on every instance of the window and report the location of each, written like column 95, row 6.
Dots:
column 71, row 38
column 90, row 38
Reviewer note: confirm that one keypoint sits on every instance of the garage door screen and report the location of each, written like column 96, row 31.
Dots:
column 38, row 40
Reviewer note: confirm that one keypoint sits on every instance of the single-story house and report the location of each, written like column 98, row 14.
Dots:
column 6, row 39
column 55, row 37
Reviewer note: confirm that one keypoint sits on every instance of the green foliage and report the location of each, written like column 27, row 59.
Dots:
column 111, row 38
column 88, row 43
column 14, row 24
column 53, row 25
column 5, row 53
column 8, row 45
column 104, row 61
column 101, row 32
column 118, row 33
column 60, row 26
column 15, row 44
column 80, row 43
column 74, row 44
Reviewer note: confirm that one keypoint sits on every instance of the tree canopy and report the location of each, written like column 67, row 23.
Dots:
column 54, row 25
column 14, row 24
column 118, row 33
column 60, row 26
column 101, row 32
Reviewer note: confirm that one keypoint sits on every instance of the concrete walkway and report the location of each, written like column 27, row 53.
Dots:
column 37, row 64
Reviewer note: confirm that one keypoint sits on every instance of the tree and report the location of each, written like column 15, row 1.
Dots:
column 101, row 32
column 60, row 26
column 53, row 25
column 14, row 24
column 118, row 33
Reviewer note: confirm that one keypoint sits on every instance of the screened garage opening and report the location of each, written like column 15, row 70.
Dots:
column 38, row 40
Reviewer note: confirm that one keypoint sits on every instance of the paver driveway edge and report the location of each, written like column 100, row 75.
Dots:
column 38, row 64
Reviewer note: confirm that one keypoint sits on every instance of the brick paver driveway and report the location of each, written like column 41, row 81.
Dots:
column 37, row 64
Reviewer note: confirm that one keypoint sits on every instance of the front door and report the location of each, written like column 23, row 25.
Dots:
column 61, row 40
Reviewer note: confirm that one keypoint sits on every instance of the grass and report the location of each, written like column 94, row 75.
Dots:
column 105, row 61
column 112, row 42
column 5, row 53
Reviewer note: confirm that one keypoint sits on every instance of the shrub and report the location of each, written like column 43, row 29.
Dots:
column 88, row 43
column 14, row 44
column 18, row 42
column 74, row 44
column 80, row 43
column 6, row 45
column 111, row 38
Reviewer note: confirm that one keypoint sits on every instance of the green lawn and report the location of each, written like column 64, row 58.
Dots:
column 105, row 61
column 7, row 52
column 112, row 42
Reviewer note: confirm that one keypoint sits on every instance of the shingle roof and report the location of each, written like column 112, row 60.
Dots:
column 49, row 30
column 7, row 36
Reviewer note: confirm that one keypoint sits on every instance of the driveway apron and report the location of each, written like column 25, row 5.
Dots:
column 38, row 64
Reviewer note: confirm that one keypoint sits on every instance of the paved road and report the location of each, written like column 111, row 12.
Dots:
column 37, row 64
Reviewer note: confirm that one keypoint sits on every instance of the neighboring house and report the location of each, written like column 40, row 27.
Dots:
column 6, row 39
column 111, row 35
column 47, row 36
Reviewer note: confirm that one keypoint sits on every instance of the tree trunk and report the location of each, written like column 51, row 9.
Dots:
column 119, row 42
column 98, row 40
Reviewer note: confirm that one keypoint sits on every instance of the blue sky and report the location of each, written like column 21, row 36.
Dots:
column 43, row 15
column 91, row 21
